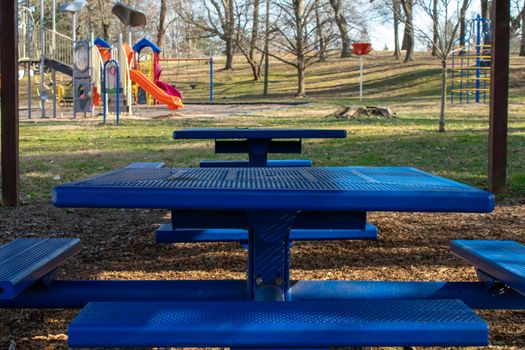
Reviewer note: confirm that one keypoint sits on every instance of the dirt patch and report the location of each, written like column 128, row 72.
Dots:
column 161, row 112
column 120, row 244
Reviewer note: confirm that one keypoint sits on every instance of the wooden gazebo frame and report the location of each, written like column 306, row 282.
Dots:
column 497, row 157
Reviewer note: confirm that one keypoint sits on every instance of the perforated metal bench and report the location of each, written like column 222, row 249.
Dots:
column 503, row 261
column 144, row 165
column 166, row 234
column 25, row 261
column 274, row 163
column 278, row 324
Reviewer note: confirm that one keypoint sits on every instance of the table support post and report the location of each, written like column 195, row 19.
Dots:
column 269, row 254
column 258, row 152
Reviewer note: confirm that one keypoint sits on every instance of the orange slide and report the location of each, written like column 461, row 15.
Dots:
column 173, row 102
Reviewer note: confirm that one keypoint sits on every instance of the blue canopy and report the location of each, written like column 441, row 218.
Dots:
column 101, row 42
column 145, row 42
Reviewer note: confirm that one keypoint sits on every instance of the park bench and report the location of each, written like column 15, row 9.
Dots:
column 145, row 165
column 273, row 163
column 502, row 261
column 310, row 324
column 25, row 261
column 257, row 144
column 166, row 234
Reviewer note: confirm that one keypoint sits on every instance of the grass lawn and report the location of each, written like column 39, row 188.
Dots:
column 73, row 149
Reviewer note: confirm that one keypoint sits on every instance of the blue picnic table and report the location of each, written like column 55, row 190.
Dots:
column 269, row 203
column 269, row 310
column 257, row 143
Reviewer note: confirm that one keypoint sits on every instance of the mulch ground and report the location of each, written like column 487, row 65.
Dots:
column 119, row 244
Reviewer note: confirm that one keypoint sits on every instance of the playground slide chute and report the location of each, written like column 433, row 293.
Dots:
column 170, row 90
column 173, row 102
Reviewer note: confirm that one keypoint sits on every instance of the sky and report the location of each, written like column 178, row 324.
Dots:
column 381, row 33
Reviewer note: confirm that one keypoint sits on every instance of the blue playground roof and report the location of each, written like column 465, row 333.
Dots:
column 145, row 42
column 101, row 42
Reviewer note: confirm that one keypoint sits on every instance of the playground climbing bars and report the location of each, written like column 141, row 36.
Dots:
column 471, row 63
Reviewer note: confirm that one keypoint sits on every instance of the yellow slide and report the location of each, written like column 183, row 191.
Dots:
column 173, row 102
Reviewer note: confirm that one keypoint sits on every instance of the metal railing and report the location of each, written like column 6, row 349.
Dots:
column 58, row 47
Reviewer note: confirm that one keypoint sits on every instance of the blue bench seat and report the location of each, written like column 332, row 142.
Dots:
column 146, row 165
column 25, row 261
column 277, row 324
column 274, row 163
column 502, row 260
column 166, row 234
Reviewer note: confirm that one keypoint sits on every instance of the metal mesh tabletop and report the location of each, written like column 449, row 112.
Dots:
column 221, row 133
column 343, row 188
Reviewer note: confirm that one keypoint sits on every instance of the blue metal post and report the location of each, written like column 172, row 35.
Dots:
column 478, row 55
column 211, row 79
column 269, row 255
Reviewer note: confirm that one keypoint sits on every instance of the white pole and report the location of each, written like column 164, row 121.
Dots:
column 361, row 78
column 74, row 27
column 42, row 60
column 54, row 27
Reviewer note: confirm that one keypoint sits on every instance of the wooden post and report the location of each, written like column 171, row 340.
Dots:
column 9, row 100
column 499, row 95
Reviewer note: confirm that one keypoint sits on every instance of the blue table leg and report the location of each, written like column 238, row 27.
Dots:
column 258, row 152
column 269, row 254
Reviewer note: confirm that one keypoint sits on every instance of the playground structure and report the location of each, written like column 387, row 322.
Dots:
column 84, row 61
column 470, row 67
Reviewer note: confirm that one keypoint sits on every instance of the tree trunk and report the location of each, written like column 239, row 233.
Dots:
column 229, row 54
column 266, row 47
column 301, row 84
column 319, row 34
column 435, row 27
column 229, row 33
column 397, row 9
column 404, row 42
column 485, row 9
column 409, row 29
column 342, row 25
column 522, row 44
column 256, row 70
column 443, row 95
column 298, row 8
column 462, row 33
column 161, row 29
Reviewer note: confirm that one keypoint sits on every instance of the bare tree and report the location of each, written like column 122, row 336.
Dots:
column 450, row 14
column 247, row 38
column 296, row 36
column 342, row 25
column 215, row 18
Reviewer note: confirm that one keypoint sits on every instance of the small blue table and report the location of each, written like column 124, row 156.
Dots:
column 270, row 202
column 257, row 143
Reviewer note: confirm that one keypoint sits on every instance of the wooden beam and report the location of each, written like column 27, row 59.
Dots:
column 9, row 100
column 499, row 96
